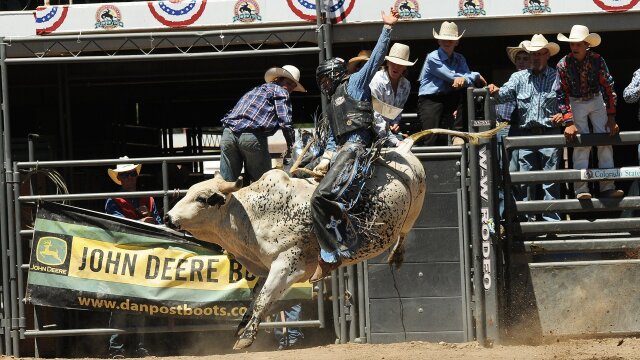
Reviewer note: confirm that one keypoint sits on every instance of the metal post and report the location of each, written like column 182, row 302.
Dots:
column 340, row 295
column 492, row 296
column 466, row 247
column 165, row 186
column 352, row 302
column 474, row 189
column 13, row 267
column 335, row 306
column 19, row 256
column 362, row 338
column 328, row 36
column 5, row 142
column 321, row 314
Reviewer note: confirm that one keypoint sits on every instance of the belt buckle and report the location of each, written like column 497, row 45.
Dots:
column 587, row 98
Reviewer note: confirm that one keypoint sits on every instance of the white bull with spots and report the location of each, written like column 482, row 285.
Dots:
column 267, row 226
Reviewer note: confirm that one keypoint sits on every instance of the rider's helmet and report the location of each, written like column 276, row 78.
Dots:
column 329, row 74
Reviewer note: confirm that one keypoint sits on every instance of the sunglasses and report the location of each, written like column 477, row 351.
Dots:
column 127, row 174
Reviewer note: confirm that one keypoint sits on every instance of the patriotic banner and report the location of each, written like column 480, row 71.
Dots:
column 82, row 259
column 160, row 15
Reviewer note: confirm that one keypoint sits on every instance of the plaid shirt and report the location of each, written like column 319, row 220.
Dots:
column 534, row 96
column 505, row 111
column 631, row 93
column 583, row 79
column 264, row 109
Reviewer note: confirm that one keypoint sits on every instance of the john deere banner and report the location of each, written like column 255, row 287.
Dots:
column 88, row 260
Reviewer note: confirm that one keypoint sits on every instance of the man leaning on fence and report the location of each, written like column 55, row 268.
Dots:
column 538, row 114
column 142, row 209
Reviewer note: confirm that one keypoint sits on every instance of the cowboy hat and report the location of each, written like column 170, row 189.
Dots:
column 399, row 54
column 540, row 42
column 581, row 33
column 512, row 51
column 287, row 71
column 448, row 31
column 122, row 168
column 363, row 55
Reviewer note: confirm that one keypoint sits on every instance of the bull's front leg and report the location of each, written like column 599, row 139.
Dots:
column 286, row 270
column 247, row 316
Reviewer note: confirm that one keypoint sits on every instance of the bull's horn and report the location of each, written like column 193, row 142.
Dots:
column 227, row 187
column 473, row 138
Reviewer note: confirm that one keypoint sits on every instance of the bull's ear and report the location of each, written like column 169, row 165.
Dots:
column 215, row 199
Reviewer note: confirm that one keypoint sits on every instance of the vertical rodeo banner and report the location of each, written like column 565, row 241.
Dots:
column 83, row 259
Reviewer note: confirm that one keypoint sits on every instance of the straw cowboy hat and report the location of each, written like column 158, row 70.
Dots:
column 399, row 54
column 512, row 51
column 540, row 42
column 448, row 31
column 287, row 71
column 581, row 33
column 363, row 55
column 123, row 168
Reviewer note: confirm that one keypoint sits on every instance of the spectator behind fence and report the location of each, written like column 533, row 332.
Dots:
column 390, row 86
column 538, row 114
column 142, row 209
column 507, row 112
column 631, row 95
column 256, row 116
column 584, row 82
column 443, row 81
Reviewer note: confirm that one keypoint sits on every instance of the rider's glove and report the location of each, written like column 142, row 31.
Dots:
column 322, row 167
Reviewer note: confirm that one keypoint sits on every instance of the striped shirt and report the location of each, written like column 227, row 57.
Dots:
column 579, row 79
column 534, row 96
column 631, row 93
column 262, row 110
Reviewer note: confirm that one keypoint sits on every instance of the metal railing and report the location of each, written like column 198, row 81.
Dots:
column 18, row 330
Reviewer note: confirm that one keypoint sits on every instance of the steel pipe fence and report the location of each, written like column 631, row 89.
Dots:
column 18, row 328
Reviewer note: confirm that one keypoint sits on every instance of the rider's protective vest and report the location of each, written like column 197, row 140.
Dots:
column 347, row 114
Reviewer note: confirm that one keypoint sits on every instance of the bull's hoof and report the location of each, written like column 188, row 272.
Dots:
column 242, row 344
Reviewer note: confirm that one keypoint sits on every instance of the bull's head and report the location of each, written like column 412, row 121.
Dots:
column 200, row 205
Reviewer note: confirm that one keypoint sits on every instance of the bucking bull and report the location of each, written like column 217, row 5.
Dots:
column 267, row 225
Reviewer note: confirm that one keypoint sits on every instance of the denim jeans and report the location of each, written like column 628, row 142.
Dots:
column 513, row 163
column 294, row 334
column 546, row 159
column 248, row 149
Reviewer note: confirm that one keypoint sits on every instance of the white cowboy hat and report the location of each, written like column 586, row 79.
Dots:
column 581, row 33
column 287, row 71
column 121, row 168
column 399, row 54
column 448, row 31
column 512, row 51
column 540, row 42
column 363, row 55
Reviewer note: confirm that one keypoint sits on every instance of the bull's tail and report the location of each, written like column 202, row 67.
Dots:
column 473, row 138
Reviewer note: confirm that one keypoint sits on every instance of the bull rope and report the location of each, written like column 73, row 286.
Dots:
column 473, row 138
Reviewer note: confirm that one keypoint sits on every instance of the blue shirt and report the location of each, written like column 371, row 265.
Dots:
column 534, row 95
column 438, row 72
column 358, row 88
column 264, row 109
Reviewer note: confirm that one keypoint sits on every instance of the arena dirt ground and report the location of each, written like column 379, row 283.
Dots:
column 607, row 349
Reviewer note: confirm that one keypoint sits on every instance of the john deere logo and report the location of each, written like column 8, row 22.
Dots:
column 407, row 9
column 51, row 251
column 246, row 11
column 471, row 8
column 536, row 6
column 108, row 17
